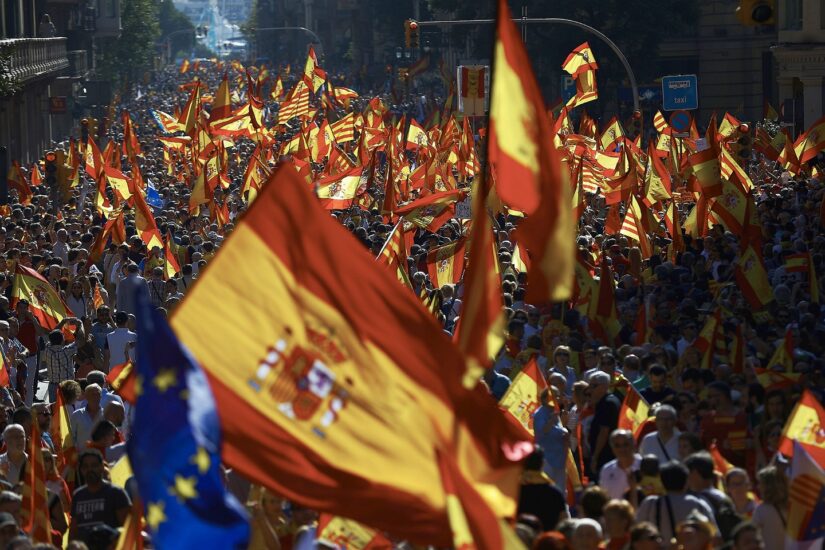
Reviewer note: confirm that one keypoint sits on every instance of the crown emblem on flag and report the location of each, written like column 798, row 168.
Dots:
column 302, row 383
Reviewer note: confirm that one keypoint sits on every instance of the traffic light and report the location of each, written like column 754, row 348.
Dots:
column 745, row 143
column 51, row 169
column 415, row 35
column 407, row 33
column 93, row 127
column 756, row 12
column 84, row 130
column 636, row 124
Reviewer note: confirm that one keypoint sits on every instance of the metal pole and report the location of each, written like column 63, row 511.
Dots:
column 555, row 20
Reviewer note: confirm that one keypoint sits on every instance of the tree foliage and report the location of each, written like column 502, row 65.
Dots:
column 134, row 52
column 173, row 20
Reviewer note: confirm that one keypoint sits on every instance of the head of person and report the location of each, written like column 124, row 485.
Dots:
column 719, row 395
column 599, row 386
column 8, row 528
column 746, row 536
column 695, row 533
column 91, row 468
column 592, row 502
column 70, row 391
column 561, row 356
column 607, row 362
column 56, row 338
column 121, row 319
column 737, row 484
column 645, row 536
column 96, row 377
column 23, row 416
column 93, row 393
column 618, row 517
column 622, row 444
column 10, row 503
column 657, row 375
column 103, row 313
column 587, row 535
column 773, row 486
column 689, row 443
column 700, row 471
column 580, row 393
column 665, row 420
column 115, row 413
column 43, row 414
column 674, row 476
column 104, row 433
column 14, row 436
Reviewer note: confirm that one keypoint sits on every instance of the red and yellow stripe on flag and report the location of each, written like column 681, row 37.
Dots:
column 347, row 534
column 529, row 176
column 480, row 331
column 394, row 255
column 580, row 60
column 44, row 302
column 806, row 511
column 445, row 264
column 432, row 211
column 308, row 399
column 122, row 381
column 806, row 425
column 521, row 399
column 131, row 535
column 34, row 512
column 472, row 522
column 634, row 411
column 753, row 279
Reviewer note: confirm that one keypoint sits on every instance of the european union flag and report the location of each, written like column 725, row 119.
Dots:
column 153, row 198
column 175, row 445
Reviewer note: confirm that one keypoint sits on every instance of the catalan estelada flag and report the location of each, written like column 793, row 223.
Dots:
column 44, row 302
column 529, row 176
column 806, row 496
column 336, row 410
column 805, row 426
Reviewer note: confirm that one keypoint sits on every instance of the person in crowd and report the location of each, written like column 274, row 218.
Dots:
column 771, row 515
column 538, row 495
column 614, row 475
column 664, row 442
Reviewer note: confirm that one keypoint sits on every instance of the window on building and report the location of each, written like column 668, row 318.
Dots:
column 791, row 15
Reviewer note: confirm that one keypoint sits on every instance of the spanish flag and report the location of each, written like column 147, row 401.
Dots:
column 62, row 439
column 809, row 144
column 445, row 264
column 753, row 279
column 350, row 535
column 222, row 106
column 521, row 400
column 634, row 411
column 580, row 60
column 432, row 211
column 45, row 303
column 122, row 381
column 529, row 175
column 394, row 255
column 338, row 191
column 805, row 425
column 339, row 411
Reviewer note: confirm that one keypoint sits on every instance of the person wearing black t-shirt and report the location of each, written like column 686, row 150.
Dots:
column 97, row 502
column 658, row 390
column 538, row 496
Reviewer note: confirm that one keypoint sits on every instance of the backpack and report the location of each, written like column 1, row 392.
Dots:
column 724, row 512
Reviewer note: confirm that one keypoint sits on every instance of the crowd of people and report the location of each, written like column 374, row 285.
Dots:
column 659, row 487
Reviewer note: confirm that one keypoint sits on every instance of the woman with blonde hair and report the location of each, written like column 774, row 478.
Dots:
column 771, row 516
column 618, row 518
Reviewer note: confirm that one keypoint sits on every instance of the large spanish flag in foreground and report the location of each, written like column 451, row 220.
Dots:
column 339, row 391
column 44, row 302
column 529, row 175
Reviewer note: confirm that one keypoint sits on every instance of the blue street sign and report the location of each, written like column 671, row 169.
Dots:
column 568, row 88
column 680, row 92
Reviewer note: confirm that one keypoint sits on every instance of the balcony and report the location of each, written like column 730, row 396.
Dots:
column 78, row 64
column 35, row 58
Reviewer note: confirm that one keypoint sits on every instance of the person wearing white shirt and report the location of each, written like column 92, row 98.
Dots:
column 84, row 420
column 664, row 442
column 613, row 475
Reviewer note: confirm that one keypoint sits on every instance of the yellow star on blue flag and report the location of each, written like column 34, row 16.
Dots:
column 175, row 445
